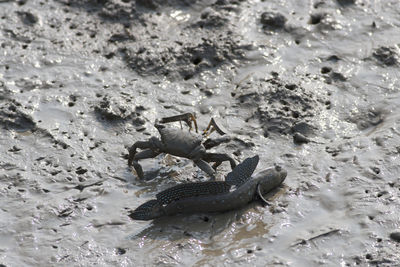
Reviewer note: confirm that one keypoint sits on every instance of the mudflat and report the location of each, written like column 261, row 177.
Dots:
column 312, row 86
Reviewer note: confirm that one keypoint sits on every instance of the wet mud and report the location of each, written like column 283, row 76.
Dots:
column 312, row 86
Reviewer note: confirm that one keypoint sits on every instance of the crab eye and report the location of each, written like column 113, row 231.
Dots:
column 278, row 168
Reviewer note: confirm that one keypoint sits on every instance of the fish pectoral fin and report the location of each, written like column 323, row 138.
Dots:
column 242, row 172
column 261, row 196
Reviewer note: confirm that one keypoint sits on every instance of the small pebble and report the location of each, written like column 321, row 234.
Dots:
column 273, row 20
column 325, row 70
column 298, row 138
column 120, row 251
column 28, row 18
column 395, row 236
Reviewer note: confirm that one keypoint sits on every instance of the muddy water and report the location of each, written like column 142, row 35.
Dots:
column 81, row 81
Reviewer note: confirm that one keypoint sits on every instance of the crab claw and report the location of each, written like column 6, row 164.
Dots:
column 265, row 202
column 213, row 126
column 188, row 118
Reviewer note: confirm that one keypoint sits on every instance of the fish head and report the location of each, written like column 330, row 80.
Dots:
column 270, row 178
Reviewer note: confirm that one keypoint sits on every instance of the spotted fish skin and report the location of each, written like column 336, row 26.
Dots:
column 155, row 208
column 212, row 196
column 191, row 190
column 267, row 179
column 148, row 211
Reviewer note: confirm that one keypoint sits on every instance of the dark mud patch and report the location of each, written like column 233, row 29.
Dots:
column 346, row 2
column 324, row 22
column 119, row 109
column 367, row 118
column 108, row 10
column 127, row 12
column 395, row 236
column 333, row 76
column 12, row 118
column 211, row 19
column 273, row 21
column 205, row 40
column 35, row 82
column 16, row 35
column 283, row 108
column 387, row 56
column 156, row 4
column 27, row 18
column 183, row 61
column 5, row 93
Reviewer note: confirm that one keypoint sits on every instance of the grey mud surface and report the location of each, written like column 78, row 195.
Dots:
column 310, row 85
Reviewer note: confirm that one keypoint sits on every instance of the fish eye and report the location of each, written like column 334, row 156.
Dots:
column 278, row 168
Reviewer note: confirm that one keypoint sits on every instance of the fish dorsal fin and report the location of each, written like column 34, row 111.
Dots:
column 192, row 189
column 242, row 172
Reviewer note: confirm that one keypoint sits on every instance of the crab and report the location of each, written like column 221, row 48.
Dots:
column 176, row 142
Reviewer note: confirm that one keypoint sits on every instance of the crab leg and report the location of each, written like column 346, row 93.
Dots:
column 188, row 118
column 145, row 154
column 136, row 145
column 213, row 126
column 204, row 166
column 209, row 143
column 218, row 159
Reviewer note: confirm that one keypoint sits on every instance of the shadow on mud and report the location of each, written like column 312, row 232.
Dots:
column 198, row 226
